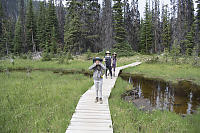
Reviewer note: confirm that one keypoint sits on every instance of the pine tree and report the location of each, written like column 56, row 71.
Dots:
column 52, row 21
column 91, row 34
column 142, row 37
column 166, row 37
column 6, row 46
column 18, row 43
column 122, row 47
column 61, row 21
column 1, row 28
column 1, row 19
column 156, row 46
column 189, row 42
column 185, row 20
column 198, row 27
column 22, row 25
column 198, row 15
column 132, row 23
column 53, row 42
column 30, row 28
column 73, row 31
column 120, row 34
column 146, row 31
column 6, row 35
column 41, row 27
column 175, row 52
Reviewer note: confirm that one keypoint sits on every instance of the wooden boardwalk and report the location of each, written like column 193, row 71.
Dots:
column 91, row 117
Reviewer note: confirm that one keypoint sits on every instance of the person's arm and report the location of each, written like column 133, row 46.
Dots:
column 103, row 67
column 92, row 66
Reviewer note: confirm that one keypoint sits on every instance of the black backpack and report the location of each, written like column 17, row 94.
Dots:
column 108, row 60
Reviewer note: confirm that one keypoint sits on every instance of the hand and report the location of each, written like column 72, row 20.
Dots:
column 97, row 62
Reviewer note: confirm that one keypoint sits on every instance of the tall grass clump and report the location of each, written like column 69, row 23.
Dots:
column 40, row 101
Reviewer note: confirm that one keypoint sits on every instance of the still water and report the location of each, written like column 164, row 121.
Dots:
column 182, row 98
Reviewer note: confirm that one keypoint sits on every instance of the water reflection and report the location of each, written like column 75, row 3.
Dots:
column 183, row 98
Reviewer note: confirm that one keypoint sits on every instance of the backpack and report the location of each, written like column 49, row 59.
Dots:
column 108, row 60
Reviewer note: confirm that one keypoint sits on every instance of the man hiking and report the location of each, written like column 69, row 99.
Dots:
column 98, row 68
column 108, row 62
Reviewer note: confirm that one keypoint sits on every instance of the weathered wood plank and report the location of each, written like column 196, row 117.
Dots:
column 86, row 131
column 91, row 128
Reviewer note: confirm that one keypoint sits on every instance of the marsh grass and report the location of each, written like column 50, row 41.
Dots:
column 128, row 119
column 40, row 102
column 24, row 63
column 79, row 62
column 168, row 72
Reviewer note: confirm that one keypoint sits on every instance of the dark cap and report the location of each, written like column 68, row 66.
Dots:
column 97, row 58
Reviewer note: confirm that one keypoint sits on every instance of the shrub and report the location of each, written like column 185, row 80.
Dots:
column 154, row 59
column 46, row 56
column 123, row 49
column 88, row 54
column 166, row 54
column 29, row 55
column 175, row 52
column 23, row 56
column 62, row 59
column 69, row 56
column 1, row 68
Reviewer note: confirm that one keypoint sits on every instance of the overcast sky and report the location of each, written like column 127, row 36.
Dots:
column 142, row 4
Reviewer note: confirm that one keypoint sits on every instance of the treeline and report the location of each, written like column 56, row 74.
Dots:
column 175, row 29
column 83, row 25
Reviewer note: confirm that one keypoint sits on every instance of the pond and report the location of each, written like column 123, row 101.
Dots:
column 182, row 98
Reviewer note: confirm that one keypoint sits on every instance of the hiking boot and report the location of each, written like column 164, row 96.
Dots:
column 96, row 100
column 101, row 101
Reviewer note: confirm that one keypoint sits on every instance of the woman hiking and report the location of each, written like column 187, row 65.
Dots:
column 108, row 61
column 98, row 68
column 114, row 62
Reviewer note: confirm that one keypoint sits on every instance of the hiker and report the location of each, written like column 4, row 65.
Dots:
column 98, row 68
column 108, row 60
column 114, row 61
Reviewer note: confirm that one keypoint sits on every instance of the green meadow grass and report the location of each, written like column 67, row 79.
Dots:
column 27, row 63
column 168, row 72
column 39, row 102
column 80, row 62
column 128, row 119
